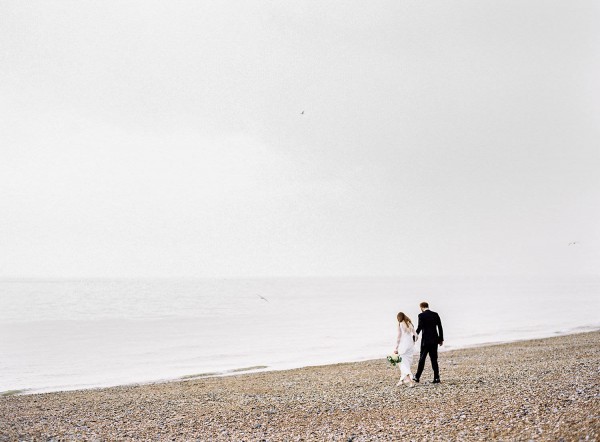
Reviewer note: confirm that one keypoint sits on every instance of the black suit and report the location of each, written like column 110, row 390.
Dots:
column 430, row 324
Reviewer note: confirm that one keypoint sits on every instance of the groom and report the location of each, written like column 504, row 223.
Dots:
column 430, row 323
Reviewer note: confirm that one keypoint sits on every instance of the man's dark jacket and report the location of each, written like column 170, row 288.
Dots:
column 430, row 323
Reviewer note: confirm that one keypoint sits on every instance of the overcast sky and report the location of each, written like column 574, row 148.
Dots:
column 147, row 138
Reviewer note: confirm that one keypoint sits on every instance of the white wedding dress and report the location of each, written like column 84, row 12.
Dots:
column 406, row 348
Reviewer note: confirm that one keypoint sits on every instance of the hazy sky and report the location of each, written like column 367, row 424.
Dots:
column 146, row 138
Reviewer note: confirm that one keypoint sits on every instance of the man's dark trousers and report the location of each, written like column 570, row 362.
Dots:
column 431, row 350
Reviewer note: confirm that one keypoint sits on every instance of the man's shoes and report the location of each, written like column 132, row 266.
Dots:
column 416, row 379
column 436, row 381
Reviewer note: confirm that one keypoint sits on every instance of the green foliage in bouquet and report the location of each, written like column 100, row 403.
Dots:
column 394, row 359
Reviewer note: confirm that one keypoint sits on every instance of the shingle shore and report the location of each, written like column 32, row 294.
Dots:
column 547, row 389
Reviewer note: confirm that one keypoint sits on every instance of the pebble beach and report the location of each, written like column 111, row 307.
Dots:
column 546, row 389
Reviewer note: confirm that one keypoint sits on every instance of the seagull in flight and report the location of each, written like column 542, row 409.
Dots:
column 574, row 243
column 302, row 113
column 263, row 298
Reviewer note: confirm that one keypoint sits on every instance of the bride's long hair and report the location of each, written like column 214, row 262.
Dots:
column 403, row 318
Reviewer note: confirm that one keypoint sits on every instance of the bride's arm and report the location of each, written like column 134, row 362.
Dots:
column 399, row 337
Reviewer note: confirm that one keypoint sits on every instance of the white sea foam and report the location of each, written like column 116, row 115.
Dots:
column 60, row 335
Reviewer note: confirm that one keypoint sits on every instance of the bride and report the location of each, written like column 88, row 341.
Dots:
column 405, row 346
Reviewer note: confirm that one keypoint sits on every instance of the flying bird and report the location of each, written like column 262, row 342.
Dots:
column 302, row 113
column 574, row 243
column 263, row 298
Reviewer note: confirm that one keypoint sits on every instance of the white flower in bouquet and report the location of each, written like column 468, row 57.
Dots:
column 394, row 359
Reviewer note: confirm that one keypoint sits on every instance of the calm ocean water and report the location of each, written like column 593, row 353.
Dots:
column 65, row 334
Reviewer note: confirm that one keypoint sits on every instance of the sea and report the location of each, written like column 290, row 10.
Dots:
column 60, row 335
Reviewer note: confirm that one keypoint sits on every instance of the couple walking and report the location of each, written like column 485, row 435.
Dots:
column 433, row 335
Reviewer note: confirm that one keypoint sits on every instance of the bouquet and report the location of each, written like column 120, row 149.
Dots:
column 394, row 359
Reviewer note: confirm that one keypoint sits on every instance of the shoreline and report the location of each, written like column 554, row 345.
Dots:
column 267, row 369
column 544, row 389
